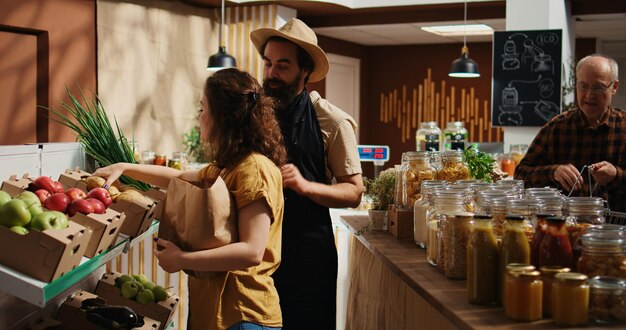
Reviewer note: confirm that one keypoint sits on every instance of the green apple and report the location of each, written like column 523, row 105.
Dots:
column 29, row 197
column 148, row 285
column 4, row 197
column 49, row 220
column 19, row 230
column 141, row 278
column 14, row 213
column 129, row 289
column 160, row 294
column 145, row 297
column 123, row 279
column 60, row 221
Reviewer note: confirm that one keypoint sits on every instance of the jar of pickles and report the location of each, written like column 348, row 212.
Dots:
column 527, row 288
column 482, row 261
column 414, row 169
column 178, row 160
column 607, row 304
column 428, row 137
column 547, row 277
column 455, row 136
column 570, row 299
column 602, row 255
column 453, row 167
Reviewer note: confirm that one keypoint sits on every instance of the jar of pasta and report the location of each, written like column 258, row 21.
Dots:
column 414, row 169
column 445, row 204
column 602, row 255
column 420, row 209
column 453, row 167
column 456, row 235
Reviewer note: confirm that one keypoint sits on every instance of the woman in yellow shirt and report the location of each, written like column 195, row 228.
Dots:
column 239, row 123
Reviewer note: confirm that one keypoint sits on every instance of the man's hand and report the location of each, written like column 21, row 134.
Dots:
column 293, row 179
column 603, row 172
column 566, row 175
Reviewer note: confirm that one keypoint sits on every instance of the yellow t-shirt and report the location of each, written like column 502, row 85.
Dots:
column 244, row 295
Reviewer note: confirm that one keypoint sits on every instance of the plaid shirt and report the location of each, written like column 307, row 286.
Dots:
column 567, row 138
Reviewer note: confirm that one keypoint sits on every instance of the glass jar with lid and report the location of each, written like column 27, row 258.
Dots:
column 589, row 210
column 159, row 159
column 607, row 304
column 526, row 208
column 547, row 277
column 570, row 299
column 602, row 255
column 420, row 209
column 444, row 203
column 428, row 137
column 518, row 151
column 414, row 169
column 482, row 262
column 515, row 247
column 147, row 157
column 453, row 167
column 541, row 228
column 178, row 160
column 555, row 249
column 504, row 288
column 455, row 238
column 527, row 288
column 455, row 136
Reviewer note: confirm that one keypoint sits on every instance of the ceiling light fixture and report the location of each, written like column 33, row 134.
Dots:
column 221, row 59
column 459, row 30
column 464, row 67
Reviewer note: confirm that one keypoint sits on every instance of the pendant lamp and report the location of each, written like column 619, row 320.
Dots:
column 464, row 66
column 221, row 59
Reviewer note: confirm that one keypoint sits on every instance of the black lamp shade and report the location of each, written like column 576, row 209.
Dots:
column 221, row 60
column 464, row 67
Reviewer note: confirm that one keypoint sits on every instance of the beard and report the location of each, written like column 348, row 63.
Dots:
column 284, row 93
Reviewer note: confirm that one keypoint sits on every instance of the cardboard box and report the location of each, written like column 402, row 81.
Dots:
column 139, row 215
column 162, row 311
column 72, row 317
column 158, row 195
column 400, row 222
column 74, row 179
column 105, row 227
column 45, row 255
column 15, row 185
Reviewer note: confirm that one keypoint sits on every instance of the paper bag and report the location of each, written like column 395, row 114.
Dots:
column 198, row 216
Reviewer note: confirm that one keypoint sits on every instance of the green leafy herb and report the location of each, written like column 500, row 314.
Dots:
column 193, row 145
column 381, row 190
column 93, row 129
column 479, row 163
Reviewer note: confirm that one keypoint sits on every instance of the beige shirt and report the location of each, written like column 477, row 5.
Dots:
column 339, row 135
column 243, row 295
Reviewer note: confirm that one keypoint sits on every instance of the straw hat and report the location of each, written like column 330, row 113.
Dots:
column 299, row 33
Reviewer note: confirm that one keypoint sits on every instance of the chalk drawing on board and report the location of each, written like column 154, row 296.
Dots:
column 510, row 110
column 510, row 57
column 546, row 88
column 544, row 109
column 538, row 60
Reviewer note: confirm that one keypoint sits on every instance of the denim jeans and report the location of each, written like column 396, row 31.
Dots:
column 249, row 326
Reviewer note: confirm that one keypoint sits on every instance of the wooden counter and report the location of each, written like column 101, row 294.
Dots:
column 429, row 301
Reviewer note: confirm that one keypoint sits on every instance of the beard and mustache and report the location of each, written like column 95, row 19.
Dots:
column 284, row 93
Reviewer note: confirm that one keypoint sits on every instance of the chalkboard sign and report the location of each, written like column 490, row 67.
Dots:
column 526, row 77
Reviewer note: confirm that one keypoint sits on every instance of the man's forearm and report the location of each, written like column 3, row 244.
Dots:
column 336, row 195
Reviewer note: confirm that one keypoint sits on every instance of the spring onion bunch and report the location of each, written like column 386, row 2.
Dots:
column 94, row 131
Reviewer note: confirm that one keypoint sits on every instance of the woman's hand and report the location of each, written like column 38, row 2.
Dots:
column 110, row 173
column 169, row 256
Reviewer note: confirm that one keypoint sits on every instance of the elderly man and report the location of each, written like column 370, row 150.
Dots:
column 590, row 138
column 321, row 147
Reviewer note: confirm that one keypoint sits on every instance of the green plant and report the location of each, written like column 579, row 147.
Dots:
column 194, row 146
column 479, row 163
column 93, row 129
column 381, row 190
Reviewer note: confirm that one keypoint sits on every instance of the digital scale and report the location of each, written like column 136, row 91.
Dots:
column 379, row 155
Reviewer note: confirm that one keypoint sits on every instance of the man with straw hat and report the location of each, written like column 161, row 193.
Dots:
column 321, row 146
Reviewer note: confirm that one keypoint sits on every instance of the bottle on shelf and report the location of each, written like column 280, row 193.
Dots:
column 455, row 136
column 428, row 137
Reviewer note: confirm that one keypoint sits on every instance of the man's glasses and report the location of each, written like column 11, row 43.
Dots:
column 595, row 89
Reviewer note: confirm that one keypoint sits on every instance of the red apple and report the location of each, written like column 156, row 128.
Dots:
column 42, row 194
column 75, row 193
column 43, row 182
column 100, row 194
column 98, row 206
column 79, row 206
column 58, row 186
column 57, row 202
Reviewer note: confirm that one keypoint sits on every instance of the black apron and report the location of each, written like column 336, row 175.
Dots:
column 306, row 279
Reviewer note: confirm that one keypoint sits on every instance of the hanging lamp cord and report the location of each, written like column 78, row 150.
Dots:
column 222, row 25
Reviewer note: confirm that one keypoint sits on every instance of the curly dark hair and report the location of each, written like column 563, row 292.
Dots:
column 243, row 119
